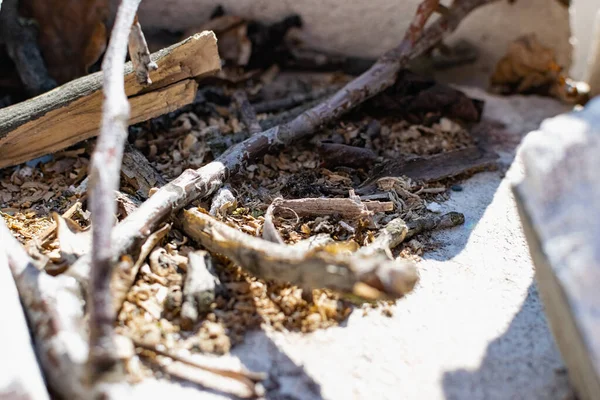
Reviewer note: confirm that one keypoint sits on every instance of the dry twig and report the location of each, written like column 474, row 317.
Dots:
column 247, row 378
column 247, row 113
column 434, row 222
column 345, row 207
column 140, row 55
column 192, row 184
column 104, row 181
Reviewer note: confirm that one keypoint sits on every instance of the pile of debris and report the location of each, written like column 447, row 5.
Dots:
column 333, row 185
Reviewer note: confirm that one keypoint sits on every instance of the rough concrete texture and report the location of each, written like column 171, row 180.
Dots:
column 474, row 328
column 369, row 28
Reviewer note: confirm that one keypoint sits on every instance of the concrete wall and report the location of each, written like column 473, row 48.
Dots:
column 369, row 28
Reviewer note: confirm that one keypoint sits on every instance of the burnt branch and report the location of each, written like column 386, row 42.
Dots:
column 104, row 181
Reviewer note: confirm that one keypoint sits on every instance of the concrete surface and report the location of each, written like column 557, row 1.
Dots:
column 474, row 328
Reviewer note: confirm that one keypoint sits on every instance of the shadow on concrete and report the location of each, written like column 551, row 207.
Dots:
column 286, row 379
column 511, row 360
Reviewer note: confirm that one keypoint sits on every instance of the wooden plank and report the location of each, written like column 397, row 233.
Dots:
column 65, row 127
column 70, row 113
column 559, row 205
column 432, row 168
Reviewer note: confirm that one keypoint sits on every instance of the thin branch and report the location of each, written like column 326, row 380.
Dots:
column 434, row 222
column 346, row 207
column 104, row 181
column 192, row 184
column 249, row 379
column 247, row 113
column 140, row 55
column 293, row 100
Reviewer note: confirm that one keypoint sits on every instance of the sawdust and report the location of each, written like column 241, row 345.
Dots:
column 175, row 142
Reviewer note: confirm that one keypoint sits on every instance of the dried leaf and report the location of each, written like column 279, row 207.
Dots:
column 530, row 67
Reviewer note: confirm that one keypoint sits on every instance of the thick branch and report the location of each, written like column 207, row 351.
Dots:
column 193, row 184
column 309, row 270
column 104, row 181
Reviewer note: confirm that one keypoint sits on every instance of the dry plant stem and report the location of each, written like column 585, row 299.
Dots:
column 335, row 155
column 54, row 309
column 346, row 207
column 104, row 181
column 247, row 113
column 22, row 47
column 434, row 222
column 140, row 55
column 199, row 288
column 292, row 100
column 309, row 270
column 243, row 374
column 192, row 184
column 248, row 379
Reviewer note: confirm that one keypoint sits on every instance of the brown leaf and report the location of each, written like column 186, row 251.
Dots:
column 527, row 65
column 72, row 34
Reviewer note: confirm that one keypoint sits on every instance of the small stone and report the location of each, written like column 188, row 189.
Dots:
column 434, row 207
column 456, row 188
